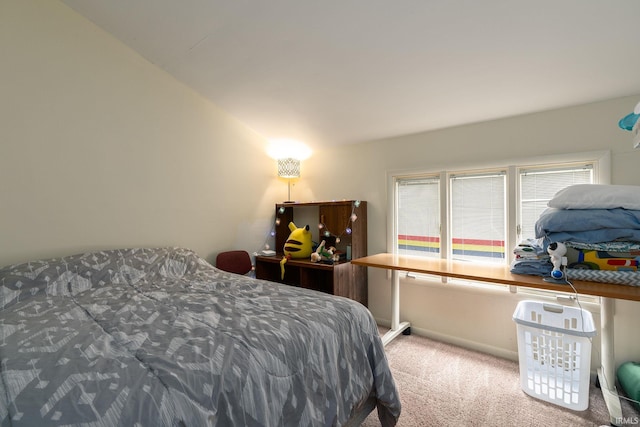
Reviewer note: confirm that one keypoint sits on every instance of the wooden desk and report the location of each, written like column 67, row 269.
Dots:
column 492, row 274
column 501, row 274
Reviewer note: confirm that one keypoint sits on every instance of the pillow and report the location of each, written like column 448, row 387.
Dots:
column 597, row 196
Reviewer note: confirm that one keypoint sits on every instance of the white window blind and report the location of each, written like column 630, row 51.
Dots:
column 478, row 217
column 538, row 186
column 418, row 218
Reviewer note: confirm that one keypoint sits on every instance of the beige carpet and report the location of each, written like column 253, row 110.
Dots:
column 444, row 385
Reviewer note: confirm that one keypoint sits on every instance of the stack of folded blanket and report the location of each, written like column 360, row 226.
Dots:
column 531, row 258
column 600, row 225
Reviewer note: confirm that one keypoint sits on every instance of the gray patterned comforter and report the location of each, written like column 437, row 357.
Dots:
column 158, row 337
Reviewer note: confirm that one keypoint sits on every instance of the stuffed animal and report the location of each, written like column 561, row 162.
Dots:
column 298, row 245
column 317, row 255
column 557, row 250
column 323, row 253
column 335, row 257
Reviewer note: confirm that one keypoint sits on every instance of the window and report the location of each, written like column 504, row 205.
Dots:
column 473, row 215
column 538, row 185
column 480, row 215
column 419, row 216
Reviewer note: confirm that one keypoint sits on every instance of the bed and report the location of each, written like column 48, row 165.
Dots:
column 159, row 337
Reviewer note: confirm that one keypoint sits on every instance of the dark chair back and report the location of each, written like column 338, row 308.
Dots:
column 238, row 262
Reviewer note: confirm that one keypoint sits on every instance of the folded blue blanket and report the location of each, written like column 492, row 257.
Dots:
column 552, row 219
column 532, row 267
column 588, row 225
column 595, row 236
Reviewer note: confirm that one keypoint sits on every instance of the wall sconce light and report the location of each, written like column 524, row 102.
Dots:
column 288, row 153
column 289, row 168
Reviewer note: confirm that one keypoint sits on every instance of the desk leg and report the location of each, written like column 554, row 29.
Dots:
column 396, row 326
column 606, row 373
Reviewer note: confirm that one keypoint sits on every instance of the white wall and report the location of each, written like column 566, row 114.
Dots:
column 100, row 148
column 463, row 316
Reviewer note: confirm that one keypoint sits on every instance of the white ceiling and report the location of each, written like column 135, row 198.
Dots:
column 333, row 72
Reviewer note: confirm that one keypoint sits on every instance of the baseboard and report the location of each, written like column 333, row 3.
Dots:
column 460, row 342
column 471, row 345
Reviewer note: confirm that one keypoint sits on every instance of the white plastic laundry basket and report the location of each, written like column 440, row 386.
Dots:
column 554, row 351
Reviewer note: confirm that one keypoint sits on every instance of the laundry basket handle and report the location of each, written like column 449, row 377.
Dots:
column 552, row 308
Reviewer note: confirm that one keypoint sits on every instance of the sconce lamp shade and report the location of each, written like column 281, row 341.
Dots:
column 289, row 168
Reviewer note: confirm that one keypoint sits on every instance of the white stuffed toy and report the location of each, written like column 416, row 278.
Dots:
column 324, row 254
column 557, row 250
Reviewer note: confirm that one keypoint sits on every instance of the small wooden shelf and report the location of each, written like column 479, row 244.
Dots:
column 341, row 278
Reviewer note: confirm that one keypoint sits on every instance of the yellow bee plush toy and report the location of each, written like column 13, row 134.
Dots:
column 298, row 245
